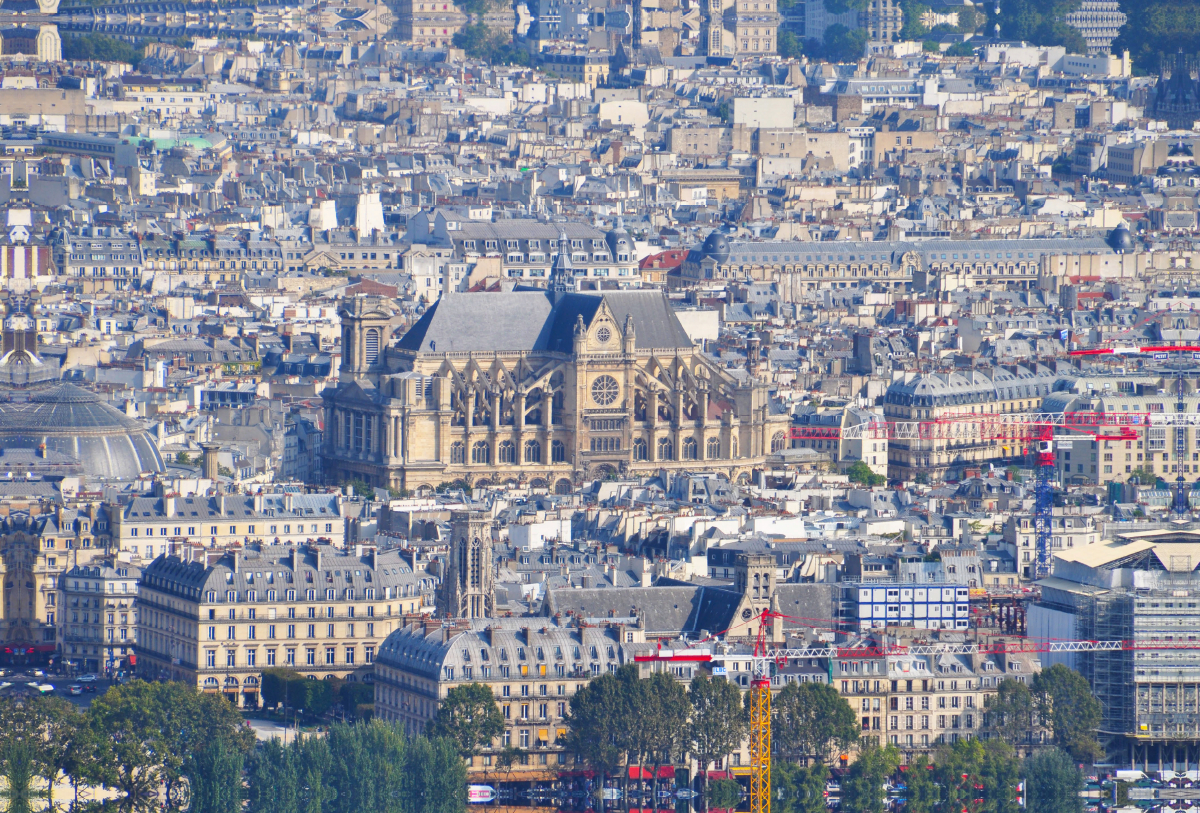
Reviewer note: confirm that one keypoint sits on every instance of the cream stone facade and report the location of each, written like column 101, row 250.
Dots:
column 147, row 527
column 928, row 397
column 314, row 609
column 545, row 388
column 532, row 671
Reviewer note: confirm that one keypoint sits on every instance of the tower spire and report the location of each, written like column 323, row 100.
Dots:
column 562, row 273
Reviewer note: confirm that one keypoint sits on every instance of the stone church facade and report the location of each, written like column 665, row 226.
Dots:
column 544, row 388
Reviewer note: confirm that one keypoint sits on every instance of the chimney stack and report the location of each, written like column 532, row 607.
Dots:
column 210, row 465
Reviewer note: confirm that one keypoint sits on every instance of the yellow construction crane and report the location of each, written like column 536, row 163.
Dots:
column 760, row 720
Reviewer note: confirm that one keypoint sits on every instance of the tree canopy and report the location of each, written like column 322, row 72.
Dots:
column 1040, row 22
column 365, row 766
column 1065, row 705
column 480, row 42
column 861, row 473
column 1156, row 28
column 813, row 720
column 469, row 718
column 1052, row 783
column 100, row 48
column 862, row 787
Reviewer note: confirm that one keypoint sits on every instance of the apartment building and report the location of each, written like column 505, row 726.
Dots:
column 105, row 257
column 919, row 702
column 98, row 616
column 37, row 546
column 1068, row 529
column 527, row 249
column 532, row 671
column 926, row 397
column 147, row 527
column 314, row 609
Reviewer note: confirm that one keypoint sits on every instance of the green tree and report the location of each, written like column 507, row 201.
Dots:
column 797, row 789
column 862, row 787
column 1066, row 705
column 273, row 779
column 843, row 44
column 18, row 759
column 1143, row 475
column 361, row 488
column 1158, row 29
column 358, row 699
column 145, row 733
column 436, row 776
column 978, row 775
column 922, row 793
column 999, row 774
column 1052, row 783
column 100, row 48
column 663, row 723
column 594, row 725
column 183, row 458
column 912, row 29
column 480, row 42
column 861, row 473
column 788, row 45
column 1011, row 713
column 842, row 6
column 812, row 720
column 468, row 717
column 724, row 794
column 314, row 762
column 718, row 721
column 215, row 775
column 1041, row 22
column 367, row 763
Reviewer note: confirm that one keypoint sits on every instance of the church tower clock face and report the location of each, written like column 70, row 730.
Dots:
column 605, row 390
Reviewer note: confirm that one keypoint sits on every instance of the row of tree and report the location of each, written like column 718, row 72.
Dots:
column 154, row 746
column 288, row 688
column 134, row 746
column 979, row 776
column 354, row 768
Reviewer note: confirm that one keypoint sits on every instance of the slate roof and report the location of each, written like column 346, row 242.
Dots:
column 283, row 566
column 505, row 642
column 535, row 321
column 664, row 610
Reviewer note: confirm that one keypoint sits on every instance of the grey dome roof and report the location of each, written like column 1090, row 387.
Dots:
column 619, row 241
column 716, row 246
column 1120, row 239
column 74, row 422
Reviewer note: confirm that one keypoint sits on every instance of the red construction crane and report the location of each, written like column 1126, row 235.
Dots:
column 1033, row 431
column 764, row 656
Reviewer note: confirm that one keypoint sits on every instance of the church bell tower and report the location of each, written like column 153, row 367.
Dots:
column 468, row 587
column 366, row 328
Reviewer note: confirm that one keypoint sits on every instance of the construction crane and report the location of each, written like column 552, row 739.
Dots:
column 1161, row 352
column 1034, row 431
column 764, row 657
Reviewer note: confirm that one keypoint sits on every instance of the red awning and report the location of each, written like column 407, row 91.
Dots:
column 665, row 772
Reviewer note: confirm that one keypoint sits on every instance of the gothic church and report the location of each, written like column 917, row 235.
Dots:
column 546, row 388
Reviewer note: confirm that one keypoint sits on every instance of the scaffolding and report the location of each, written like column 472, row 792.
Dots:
column 1110, row 673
